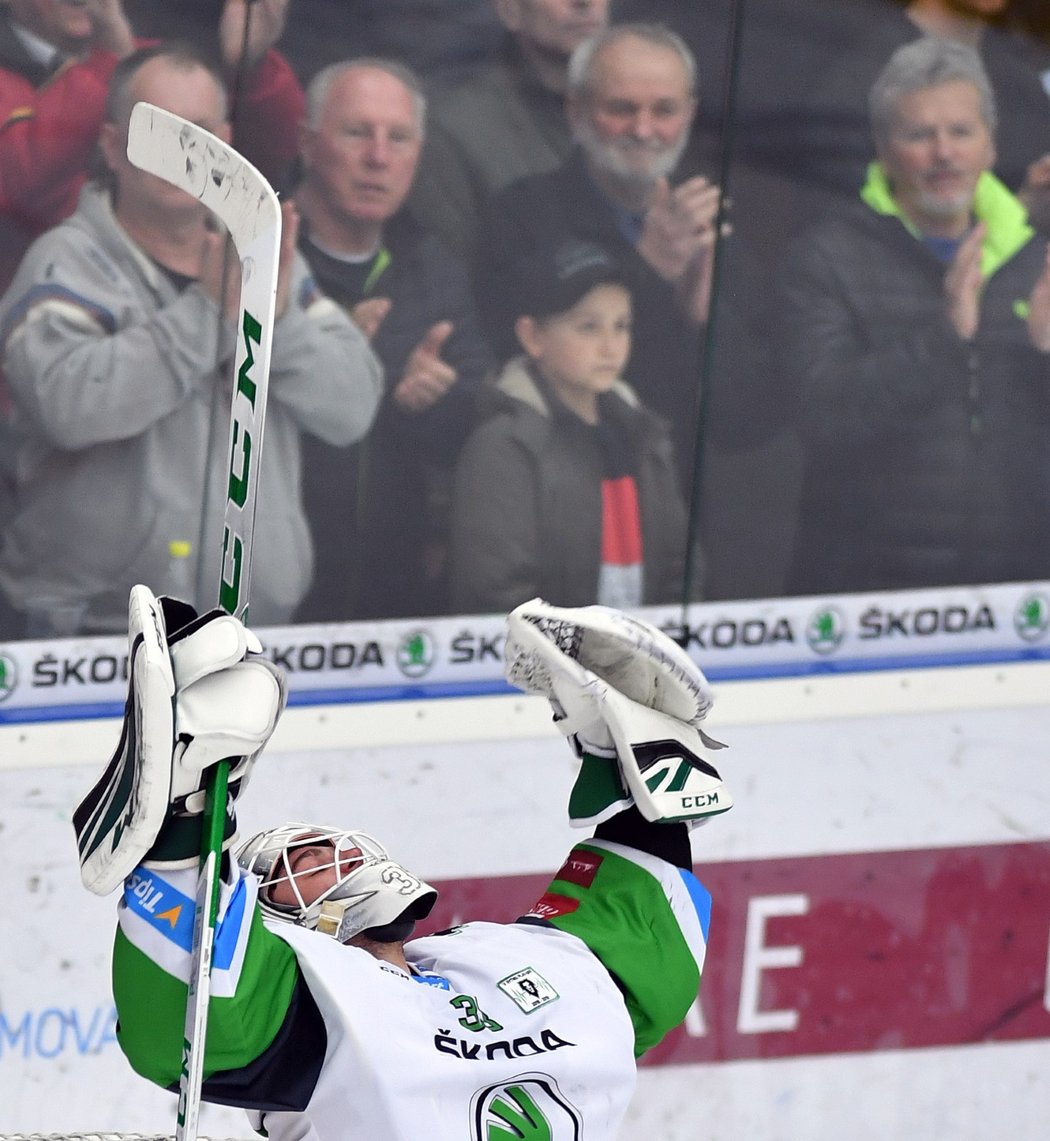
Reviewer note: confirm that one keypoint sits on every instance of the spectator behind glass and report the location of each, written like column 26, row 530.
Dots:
column 917, row 334
column 567, row 489
column 56, row 57
column 834, row 143
column 380, row 511
column 116, row 337
column 507, row 120
column 631, row 102
column 441, row 40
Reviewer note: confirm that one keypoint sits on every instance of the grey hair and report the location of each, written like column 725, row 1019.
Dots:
column 321, row 84
column 581, row 62
column 927, row 62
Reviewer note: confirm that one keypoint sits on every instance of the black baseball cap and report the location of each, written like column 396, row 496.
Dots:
column 553, row 278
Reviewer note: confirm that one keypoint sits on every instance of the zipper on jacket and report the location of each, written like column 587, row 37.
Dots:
column 973, row 393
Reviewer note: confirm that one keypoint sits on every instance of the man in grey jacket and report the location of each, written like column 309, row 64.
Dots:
column 117, row 343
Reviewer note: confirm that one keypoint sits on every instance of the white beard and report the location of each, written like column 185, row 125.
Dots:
column 609, row 157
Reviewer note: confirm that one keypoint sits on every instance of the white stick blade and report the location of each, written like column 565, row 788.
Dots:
column 195, row 160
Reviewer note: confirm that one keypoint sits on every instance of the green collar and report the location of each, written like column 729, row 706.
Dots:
column 379, row 266
column 993, row 204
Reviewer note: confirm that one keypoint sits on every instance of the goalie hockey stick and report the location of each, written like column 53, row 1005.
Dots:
column 194, row 160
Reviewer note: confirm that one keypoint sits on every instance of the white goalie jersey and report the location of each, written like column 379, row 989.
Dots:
column 526, row 1031
column 513, row 1031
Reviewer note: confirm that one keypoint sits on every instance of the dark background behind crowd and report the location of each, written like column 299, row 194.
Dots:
column 713, row 170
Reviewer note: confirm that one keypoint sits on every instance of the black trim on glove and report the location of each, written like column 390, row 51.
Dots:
column 179, row 616
column 668, row 841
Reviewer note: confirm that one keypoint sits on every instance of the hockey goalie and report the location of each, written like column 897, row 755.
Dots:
column 327, row 1020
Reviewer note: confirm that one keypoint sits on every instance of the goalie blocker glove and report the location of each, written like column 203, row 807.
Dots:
column 630, row 700
column 198, row 693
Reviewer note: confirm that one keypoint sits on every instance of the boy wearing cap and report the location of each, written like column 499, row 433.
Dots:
column 567, row 489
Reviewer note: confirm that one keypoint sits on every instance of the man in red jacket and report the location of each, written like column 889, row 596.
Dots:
column 56, row 57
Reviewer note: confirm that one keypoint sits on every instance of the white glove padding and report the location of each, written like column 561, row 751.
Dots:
column 620, row 687
column 227, row 703
column 202, row 701
column 562, row 653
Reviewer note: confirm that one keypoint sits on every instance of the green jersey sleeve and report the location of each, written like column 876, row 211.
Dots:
column 645, row 919
column 254, row 975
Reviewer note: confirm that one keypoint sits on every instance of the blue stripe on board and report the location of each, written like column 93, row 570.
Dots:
column 417, row 691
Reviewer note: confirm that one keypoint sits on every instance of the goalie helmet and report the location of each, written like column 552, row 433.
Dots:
column 369, row 892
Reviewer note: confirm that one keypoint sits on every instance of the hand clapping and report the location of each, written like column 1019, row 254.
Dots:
column 678, row 240
column 962, row 284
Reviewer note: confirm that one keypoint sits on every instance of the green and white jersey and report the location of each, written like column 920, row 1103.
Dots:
column 519, row 1032
column 503, row 1031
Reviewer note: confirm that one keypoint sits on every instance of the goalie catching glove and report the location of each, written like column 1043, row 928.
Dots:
column 198, row 693
column 630, row 700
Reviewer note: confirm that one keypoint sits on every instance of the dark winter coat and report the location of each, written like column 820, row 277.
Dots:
column 927, row 457
column 527, row 502
column 377, row 507
column 498, row 126
column 667, row 363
